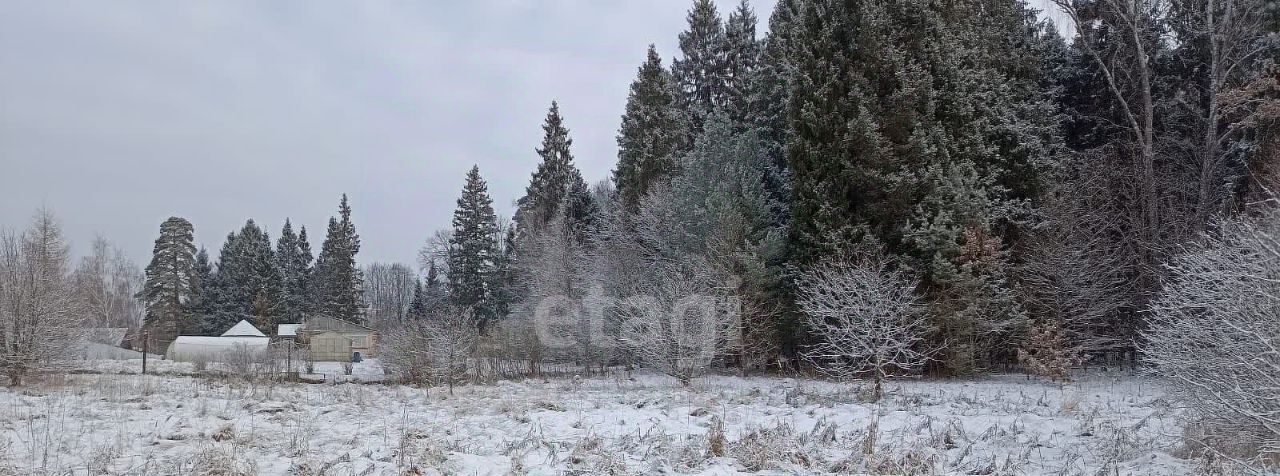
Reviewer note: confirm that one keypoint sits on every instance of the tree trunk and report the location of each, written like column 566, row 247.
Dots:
column 1208, row 161
column 878, row 391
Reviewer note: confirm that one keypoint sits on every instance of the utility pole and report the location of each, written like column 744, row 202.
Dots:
column 144, row 352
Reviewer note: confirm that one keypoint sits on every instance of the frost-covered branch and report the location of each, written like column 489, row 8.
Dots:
column 40, row 316
column 1215, row 334
column 867, row 318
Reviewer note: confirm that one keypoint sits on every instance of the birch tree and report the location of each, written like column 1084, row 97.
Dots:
column 108, row 283
column 1122, row 37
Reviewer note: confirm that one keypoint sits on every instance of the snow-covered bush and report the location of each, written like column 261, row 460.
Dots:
column 555, row 265
column 510, row 348
column 402, row 351
column 675, row 325
column 867, row 318
column 1214, row 334
column 249, row 363
column 436, row 349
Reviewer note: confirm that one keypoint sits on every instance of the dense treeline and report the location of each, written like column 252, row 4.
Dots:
column 1032, row 184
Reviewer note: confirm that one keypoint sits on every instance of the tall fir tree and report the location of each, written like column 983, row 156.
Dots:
column 248, row 283
column 306, row 260
column 293, row 258
column 201, row 290
column 701, row 74
column 170, row 277
column 742, row 61
column 473, row 249
column 763, row 106
column 581, row 211
column 337, row 284
column 418, row 305
column 555, row 178
column 651, row 135
column 434, row 291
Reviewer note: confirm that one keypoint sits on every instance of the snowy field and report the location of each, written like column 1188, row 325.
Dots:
column 172, row 424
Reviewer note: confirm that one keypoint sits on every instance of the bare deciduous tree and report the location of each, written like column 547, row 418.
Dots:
column 676, row 325
column 1074, row 269
column 554, row 264
column 436, row 252
column 436, row 350
column 668, row 305
column 1234, row 35
column 40, row 316
column 109, row 284
column 867, row 318
column 1215, row 335
column 388, row 292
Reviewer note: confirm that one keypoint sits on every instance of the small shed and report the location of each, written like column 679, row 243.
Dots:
column 336, row 340
column 240, row 338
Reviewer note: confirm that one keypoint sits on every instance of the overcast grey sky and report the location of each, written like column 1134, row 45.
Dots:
column 119, row 114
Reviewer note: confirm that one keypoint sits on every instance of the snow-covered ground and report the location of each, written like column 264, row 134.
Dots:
column 370, row 370
column 134, row 424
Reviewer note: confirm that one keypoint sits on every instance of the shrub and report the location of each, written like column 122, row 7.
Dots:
column 1214, row 335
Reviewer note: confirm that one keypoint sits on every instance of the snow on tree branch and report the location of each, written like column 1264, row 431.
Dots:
column 866, row 316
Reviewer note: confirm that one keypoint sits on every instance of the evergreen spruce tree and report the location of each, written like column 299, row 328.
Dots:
column 651, row 134
column 742, row 60
column 201, row 289
column 917, row 128
column 473, row 249
column 170, row 278
column 305, row 265
column 418, row 305
column 701, row 75
column 338, row 284
column 838, row 158
column 434, row 291
column 293, row 258
column 759, row 95
column 555, row 178
column 581, row 212
column 321, row 273
column 248, row 283
column 726, row 216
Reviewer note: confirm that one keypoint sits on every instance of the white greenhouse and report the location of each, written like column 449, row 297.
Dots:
column 239, row 340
